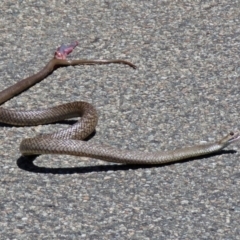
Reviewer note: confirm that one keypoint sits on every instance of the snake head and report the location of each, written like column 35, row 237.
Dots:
column 230, row 138
column 64, row 50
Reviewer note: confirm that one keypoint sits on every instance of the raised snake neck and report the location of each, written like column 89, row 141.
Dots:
column 69, row 141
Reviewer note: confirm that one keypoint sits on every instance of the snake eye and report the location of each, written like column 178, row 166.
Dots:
column 231, row 133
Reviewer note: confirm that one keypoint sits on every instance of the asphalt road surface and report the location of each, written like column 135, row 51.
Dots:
column 185, row 91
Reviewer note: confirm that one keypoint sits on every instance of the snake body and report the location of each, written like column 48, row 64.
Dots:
column 69, row 141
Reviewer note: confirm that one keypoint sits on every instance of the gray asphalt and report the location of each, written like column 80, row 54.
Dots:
column 184, row 91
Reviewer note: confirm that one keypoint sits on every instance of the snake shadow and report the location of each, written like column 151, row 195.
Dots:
column 26, row 163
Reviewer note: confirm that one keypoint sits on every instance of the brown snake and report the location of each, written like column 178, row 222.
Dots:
column 69, row 141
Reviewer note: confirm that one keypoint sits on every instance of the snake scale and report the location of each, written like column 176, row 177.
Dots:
column 69, row 141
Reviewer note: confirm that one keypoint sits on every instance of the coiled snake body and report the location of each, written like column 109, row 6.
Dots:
column 69, row 141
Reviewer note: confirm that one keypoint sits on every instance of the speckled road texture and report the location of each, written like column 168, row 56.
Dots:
column 185, row 91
